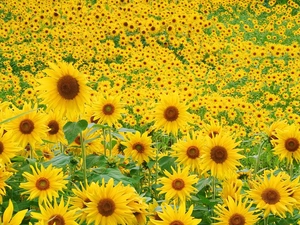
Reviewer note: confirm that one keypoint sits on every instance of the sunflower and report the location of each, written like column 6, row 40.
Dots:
column 80, row 198
column 44, row 183
column 231, row 187
column 173, row 215
column 178, row 185
column 170, row 114
column 65, row 89
column 12, row 220
column 287, row 144
column 212, row 129
column 272, row 130
column 29, row 128
column 138, row 147
column 108, row 205
column 4, row 175
column 58, row 214
column 138, row 206
column 55, row 124
column 235, row 211
column 220, row 156
column 272, row 194
column 108, row 110
column 188, row 152
column 8, row 148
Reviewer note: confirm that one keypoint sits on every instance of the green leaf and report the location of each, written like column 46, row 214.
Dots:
column 108, row 173
column 166, row 162
column 95, row 160
column 73, row 129
column 60, row 160
column 122, row 129
column 17, row 116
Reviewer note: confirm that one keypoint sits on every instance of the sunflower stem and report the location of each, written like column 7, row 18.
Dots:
column 291, row 170
column 213, row 194
column 110, row 140
column 83, row 160
column 104, row 141
column 258, row 157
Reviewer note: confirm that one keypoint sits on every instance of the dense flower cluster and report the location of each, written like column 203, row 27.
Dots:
column 149, row 112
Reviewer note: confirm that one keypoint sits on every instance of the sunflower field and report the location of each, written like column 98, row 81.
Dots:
column 149, row 112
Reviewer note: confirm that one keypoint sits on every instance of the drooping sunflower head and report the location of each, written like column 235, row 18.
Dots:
column 64, row 89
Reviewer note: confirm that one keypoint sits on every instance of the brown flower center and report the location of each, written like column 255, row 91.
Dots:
column 87, row 200
column 42, row 184
column 178, row 184
column 237, row 219
column 156, row 217
column 26, row 126
column 171, row 113
column 139, row 147
column 176, row 222
column 54, row 127
column 92, row 119
column 108, row 109
column 291, row 144
column 57, row 220
column 106, row 207
column 68, row 87
column 193, row 152
column 1, row 147
column 218, row 154
column 270, row 196
column 213, row 134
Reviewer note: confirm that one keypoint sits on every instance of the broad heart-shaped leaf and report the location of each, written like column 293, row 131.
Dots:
column 73, row 129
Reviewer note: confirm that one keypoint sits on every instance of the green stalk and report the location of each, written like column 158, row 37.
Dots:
column 291, row 170
column 83, row 152
column 110, row 142
column 104, row 141
column 258, row 156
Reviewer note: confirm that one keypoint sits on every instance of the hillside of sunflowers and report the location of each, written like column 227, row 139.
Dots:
column 150, row 112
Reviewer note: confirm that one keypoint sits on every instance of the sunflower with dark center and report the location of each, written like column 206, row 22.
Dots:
column 188, row 151
column 56, row 214
column 272, row 193
column 171, row 115
column 64, row 89
column 8, row 147
column 175, row 216
column 221, row 155
column 287, row 144
column 235, row 212
column 108, row 109
column 108, row 204
column 44, row 183
column 28, row 128
column 138, row 147
column 178, row 185
column 55, row 124
column 80, row 199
